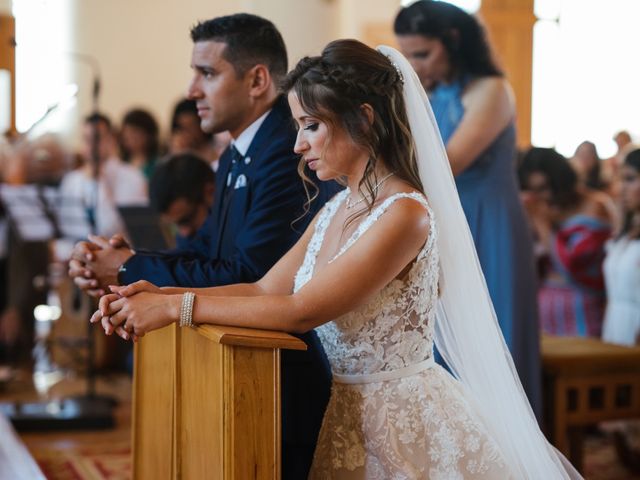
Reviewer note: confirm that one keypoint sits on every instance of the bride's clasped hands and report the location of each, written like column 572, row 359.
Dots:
column 131, row 311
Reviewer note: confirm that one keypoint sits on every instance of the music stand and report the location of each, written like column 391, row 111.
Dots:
column 39, row 214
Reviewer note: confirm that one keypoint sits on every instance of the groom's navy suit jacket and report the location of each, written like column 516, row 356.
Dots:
column 240, row 242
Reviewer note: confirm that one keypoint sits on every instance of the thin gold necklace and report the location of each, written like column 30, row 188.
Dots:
column 349, row 204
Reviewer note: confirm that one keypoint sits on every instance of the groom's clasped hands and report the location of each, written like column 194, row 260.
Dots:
column 94, row 264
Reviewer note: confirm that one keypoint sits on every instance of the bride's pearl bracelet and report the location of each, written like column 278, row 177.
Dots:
column 186, row 310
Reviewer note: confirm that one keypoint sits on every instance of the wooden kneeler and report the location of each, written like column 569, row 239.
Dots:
column 206, row 403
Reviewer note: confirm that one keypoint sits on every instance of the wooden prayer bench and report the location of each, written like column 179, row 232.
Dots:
column 206, row 403
column 586, row 381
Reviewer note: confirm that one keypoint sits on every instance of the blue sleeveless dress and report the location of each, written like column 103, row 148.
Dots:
column 489, row 195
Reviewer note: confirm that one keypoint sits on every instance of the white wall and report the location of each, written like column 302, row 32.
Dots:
column 143, row 47
column 5, row 6
column 356, row 15
column 306, row 25
column 585, row 75
column 143, row 51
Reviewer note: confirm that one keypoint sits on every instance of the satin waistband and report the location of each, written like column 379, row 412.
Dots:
column 386, row 375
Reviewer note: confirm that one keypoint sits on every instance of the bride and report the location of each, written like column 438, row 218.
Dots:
column 385, row 268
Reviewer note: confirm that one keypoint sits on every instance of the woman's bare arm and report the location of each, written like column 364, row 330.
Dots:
column 489, row 107
column 379, row 256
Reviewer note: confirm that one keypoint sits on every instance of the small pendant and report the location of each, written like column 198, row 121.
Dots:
column 349, row 205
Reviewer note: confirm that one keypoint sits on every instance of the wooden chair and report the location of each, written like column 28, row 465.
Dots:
column 586, row 381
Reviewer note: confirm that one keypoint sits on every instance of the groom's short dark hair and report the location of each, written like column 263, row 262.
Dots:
column 250, row 40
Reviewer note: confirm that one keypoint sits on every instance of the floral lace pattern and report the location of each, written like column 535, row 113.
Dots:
column 393, row 330
column 414, row 427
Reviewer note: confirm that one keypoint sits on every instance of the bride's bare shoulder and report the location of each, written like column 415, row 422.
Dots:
column 410, row 213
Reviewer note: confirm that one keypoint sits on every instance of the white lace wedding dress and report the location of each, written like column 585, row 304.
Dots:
column 395, row 414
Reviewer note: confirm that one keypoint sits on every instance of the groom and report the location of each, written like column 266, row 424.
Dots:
column 237, row 62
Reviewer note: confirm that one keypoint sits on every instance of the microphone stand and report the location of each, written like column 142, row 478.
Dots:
column 93, row 208
column 98, row 407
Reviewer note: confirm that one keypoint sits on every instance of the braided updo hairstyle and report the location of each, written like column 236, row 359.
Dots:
column 333, row 87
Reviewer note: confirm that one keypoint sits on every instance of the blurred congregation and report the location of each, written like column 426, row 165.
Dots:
column 123, row 164
column 557, row 234
column 582, row 213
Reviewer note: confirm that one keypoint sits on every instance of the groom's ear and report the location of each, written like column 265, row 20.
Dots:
column 368, row 113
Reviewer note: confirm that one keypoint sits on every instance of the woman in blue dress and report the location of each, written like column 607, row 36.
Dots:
column 474, row 108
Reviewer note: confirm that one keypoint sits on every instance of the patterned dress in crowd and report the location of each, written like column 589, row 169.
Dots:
column 572, row 296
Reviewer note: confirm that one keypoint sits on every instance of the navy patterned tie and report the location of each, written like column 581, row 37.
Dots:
column 236, row 161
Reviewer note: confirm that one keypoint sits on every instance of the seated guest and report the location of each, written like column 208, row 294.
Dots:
column 571, row 225
column 139, row 141
column 622, row 263
column 186, row 133
column 117, row 183
column 187, row 136
column 182, row 190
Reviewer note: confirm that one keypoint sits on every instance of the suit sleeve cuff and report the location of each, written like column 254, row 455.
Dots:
column 127, row 271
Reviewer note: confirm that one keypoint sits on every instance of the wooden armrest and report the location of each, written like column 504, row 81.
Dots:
column 250, row 337
column 586, row 354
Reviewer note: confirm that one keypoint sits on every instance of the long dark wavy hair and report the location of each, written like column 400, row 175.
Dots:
column 462, row 35
column 593, row 178
column 561, row 177
column 143, row 120
column 632, row 159
column 333, row 87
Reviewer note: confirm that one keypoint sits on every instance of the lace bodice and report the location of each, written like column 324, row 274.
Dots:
column 393, row 413
column 395, row 328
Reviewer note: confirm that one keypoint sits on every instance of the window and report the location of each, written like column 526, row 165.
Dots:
column 585, row 81
column 43, row 63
